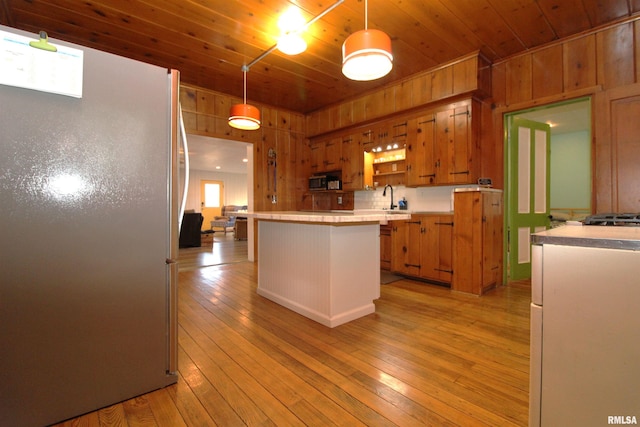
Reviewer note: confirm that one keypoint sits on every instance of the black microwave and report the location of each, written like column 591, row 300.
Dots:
column 318, row 182
column 324, row 182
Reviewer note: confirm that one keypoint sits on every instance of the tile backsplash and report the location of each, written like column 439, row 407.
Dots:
column 421, row 199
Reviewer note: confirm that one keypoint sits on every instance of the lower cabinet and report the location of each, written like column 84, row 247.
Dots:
column 385, row 247
column 405, row 246
column 461, row 249
column 422, row 247
column 478, row 240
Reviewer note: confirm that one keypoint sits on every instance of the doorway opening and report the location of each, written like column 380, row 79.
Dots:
column 211, row 200
column 545, row 189
column 221, row 175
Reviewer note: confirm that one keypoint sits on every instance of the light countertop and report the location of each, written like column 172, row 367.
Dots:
column 477, row 188
column 331, row 217
column 613, row 237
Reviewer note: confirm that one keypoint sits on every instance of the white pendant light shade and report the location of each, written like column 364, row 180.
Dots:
column 291, row 24
column 244, row 116
column 291, row 44
column 366, row 55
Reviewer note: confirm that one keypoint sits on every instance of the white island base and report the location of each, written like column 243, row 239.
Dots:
column 329, row 273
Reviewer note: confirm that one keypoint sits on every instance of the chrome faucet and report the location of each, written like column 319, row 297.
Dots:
column 384, row 194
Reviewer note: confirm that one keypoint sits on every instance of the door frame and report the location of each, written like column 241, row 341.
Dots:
column 506, row 120
column 531, row 220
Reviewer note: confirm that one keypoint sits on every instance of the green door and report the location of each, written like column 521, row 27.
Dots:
column 529, row 195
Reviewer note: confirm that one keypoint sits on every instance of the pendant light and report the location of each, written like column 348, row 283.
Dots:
column 291, row 24
column 244, row 116
column 366, row 54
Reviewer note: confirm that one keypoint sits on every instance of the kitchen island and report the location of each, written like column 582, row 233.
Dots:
column 322, row 265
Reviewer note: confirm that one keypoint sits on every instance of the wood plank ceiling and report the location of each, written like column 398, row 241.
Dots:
column 210, row 40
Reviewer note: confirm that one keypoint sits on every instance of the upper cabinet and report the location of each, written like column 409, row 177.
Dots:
column 325, row 155
column 352, row 162
column 421, row 151
column 438, row 146
column 384, row 153
column 443, row 146
column 467, row 76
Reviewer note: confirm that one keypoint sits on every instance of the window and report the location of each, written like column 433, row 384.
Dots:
column 211, row 195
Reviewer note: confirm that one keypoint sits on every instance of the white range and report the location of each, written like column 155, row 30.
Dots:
column 585, row 326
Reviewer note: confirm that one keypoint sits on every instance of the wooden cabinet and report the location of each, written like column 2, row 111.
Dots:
column 443, row 146
column 325, row 155
column 617, row 151
column 454, row 146
column 437, row 147
column 399, row 132
column 405, row 246
column 422, row 247
column 478, row 240
column 352, row 163
column 421, row 151
column 436, row 236
column 385, row 246
column 367, row 139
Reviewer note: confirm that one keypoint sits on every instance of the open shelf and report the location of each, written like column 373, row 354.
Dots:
column 389, row 173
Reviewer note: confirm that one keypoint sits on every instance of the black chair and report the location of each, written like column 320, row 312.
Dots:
column 190, row 231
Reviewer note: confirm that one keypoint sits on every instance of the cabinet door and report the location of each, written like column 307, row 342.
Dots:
column 383, row 135
column 421, row 163
column 444, row 229
column 625, row 149
column 385, row 247
column 492, row 218
column 454, row 143
column 367, row 139
column 437, row 242
column 316, row 157
column 352, row 161
column 325, row 155
column 459, row 166
column 399, row 134
column 405, row 247
column 478, row 241
column 332, row 154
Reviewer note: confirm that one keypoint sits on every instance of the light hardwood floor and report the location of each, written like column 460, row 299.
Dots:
column 427, row 356
column 224, row 250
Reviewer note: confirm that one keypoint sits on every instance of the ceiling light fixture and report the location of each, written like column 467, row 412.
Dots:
column 247, row 117
column 275, row 46
column 291, row 44
column 291, row 24
column 366, row 54
column 244, row 116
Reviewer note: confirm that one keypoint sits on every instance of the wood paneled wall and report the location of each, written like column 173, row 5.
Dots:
column 277, row 180
column 466, row 75
column 603, row 63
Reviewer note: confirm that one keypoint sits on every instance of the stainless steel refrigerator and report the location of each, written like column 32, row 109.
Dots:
column 89, row 227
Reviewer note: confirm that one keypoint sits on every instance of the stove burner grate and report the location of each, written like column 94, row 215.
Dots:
column 613, row 219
